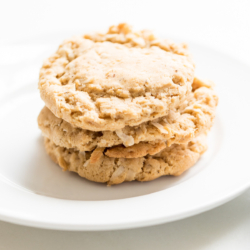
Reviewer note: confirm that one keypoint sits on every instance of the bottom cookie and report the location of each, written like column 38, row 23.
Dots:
column 95, row 166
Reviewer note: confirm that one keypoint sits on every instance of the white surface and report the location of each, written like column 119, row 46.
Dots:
column 35, row 192
column 226, row 227
column 220, row 24
column 223, row 24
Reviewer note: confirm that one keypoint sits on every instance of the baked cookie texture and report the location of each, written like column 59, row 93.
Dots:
column 173, row 160
column 105, row 85
column 124, row 34
column 123, row 106
column 188, row 121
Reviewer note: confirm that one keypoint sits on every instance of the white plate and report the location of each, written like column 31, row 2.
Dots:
column 35, row 192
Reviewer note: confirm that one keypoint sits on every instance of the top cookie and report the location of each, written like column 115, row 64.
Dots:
column 103, row 85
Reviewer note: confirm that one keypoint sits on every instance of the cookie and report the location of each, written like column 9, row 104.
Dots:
column 138, row 150
column 124, row 34
column 180, row 126
column 108, row 85
column 96, row 166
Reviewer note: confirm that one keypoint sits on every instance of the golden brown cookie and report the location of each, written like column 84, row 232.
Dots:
column 180, row 126
column 172, row 160
column 138, row 150
column 107, row 85
column 124, row 34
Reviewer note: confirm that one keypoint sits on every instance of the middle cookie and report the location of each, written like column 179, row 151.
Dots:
column 179, row 126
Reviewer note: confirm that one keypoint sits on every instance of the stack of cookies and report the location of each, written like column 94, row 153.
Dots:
column 124, row 106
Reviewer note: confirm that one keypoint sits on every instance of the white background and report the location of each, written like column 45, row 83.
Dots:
column 222, row 25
